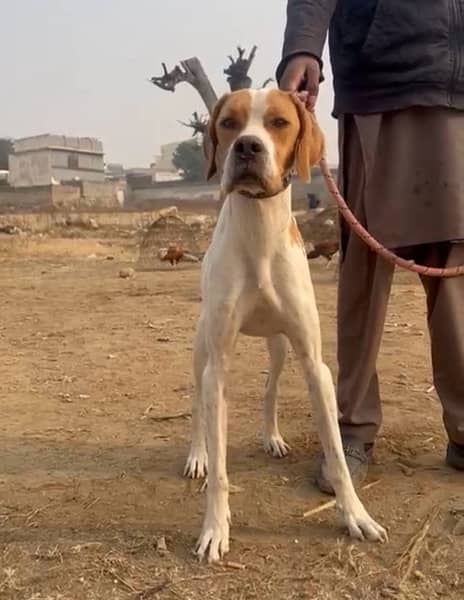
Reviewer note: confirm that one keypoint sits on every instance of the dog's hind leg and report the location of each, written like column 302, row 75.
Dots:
column 197, row 461
column 274, row 444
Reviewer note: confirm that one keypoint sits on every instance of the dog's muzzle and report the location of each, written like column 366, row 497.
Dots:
column 249, row 160
column 248, row 169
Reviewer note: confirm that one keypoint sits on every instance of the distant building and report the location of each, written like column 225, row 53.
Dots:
column 52, row 159
column 164, row 169
column 114, row 172
column 140, row 177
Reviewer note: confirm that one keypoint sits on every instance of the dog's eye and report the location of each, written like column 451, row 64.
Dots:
column 279, row 123
column 229, row 123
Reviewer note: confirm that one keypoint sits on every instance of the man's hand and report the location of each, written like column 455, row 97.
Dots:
column 302, row 75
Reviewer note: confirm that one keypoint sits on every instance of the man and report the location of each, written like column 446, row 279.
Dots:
column 398, row 70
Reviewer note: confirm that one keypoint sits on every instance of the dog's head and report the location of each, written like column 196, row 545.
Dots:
column 257, row 138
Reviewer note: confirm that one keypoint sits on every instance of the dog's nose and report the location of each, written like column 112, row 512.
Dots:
column 248, row 147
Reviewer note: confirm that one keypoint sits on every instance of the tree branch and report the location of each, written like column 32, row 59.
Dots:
column 190, row 71
column 237, row 71
column 199, row 124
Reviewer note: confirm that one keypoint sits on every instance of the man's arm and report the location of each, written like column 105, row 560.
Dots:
column 307, row 25
column 305, row 34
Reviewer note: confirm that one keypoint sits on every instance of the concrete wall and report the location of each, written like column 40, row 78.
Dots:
column 91, row 166
column 39, row 159
column 194, row 195
column 44, row 221
column 107, row 195
column 65, row 197
column 80, row 196
column 38, row 168
column 37, row 198
column 30, row 169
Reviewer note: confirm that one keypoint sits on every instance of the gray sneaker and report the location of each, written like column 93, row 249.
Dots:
column 455, row 456
column 357, row 456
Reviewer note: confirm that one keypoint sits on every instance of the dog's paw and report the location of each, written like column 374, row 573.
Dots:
column 196, row 466
column 363, row 527
column 214, row 539
column 276, row 446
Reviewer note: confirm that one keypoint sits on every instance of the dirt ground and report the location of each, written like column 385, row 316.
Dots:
column 96, row 385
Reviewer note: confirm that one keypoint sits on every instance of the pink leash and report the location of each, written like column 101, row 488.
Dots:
column 373, row 244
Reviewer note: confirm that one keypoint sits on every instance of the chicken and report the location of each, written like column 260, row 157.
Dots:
column 174, row 254
column 327, row 249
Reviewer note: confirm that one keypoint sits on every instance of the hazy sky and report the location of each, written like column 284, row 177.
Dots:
column 80, row 67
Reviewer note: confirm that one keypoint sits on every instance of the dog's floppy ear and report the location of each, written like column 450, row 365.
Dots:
column 310, row 143
column 210, row 139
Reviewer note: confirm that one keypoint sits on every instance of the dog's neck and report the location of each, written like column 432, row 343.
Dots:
column 260, row 221
column 259, row 227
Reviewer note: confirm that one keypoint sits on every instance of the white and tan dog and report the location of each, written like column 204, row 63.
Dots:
column 256, row 281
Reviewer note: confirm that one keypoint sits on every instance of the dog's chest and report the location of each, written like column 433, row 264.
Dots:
column 261, row 316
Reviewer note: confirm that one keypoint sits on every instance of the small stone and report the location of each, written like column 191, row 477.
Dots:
column 83, row 397
column 161, row 545
column 111, row 356
column 93, row 224
column 163, row 339
column 406, row 470
column 126, row 273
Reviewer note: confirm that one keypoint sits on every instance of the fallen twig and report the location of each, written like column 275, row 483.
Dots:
column 171, row 417
column 204, row 486
column 411, row 553
column 91, row 503
column 162, row 587
column 332, row 503
column 35, row 512
column 234, row 565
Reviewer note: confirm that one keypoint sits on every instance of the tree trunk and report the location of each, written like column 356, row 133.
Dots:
column 200, row 81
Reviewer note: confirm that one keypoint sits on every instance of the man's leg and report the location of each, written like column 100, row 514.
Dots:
column 363, row 292
column 445, row 304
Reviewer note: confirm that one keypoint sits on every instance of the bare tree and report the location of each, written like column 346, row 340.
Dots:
column 237, row 71
column 199, row 124
column 189, row 71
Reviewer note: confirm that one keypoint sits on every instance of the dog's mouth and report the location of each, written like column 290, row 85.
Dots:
column 252, row 184
column 248, row 179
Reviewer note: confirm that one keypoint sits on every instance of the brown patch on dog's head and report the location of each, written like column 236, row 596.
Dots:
column 297, row 138
column 309, row 147
column 229, row 118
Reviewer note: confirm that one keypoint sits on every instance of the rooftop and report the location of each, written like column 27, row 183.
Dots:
column 49, row 141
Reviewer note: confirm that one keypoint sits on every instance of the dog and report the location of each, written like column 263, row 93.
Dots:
column 256, row 281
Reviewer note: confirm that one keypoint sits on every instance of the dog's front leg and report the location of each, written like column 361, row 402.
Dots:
column 197, row 461
column 214, row 538
column 306, row 341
